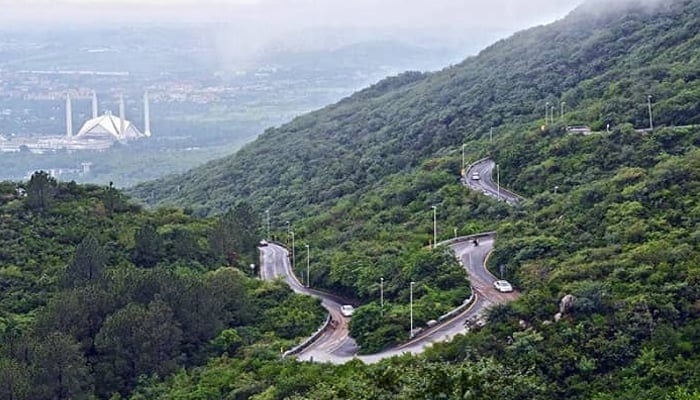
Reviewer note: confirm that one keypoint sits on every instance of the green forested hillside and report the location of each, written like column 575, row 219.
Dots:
column 601, row 61
column 357, row 179
column 610, row 218
column 622, row 240
column 97, row 295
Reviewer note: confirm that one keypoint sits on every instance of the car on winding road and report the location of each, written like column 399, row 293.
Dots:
column 476, row 176
column 347, row 310
column 503, row 286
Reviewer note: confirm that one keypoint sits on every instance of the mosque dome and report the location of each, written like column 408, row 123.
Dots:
column 109, row 126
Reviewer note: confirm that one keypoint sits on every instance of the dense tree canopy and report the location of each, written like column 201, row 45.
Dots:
column 103, row 299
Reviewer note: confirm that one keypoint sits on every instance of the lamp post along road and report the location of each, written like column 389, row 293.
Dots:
column 463, row 163
column 651, row 118
column 308, row 265
column 381, row 295
column 434, row 226
column 268, row 223
column 498, row 182
column 410, row 334
column 552, row 114
column 293, row 255
column 563, row 104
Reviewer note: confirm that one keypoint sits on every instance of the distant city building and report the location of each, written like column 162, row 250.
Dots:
column 109, row 127
column 98, row 133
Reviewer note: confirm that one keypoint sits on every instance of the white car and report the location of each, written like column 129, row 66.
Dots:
column 263, row 243
column 503, row 286
column 347, row 310
column 476, row 176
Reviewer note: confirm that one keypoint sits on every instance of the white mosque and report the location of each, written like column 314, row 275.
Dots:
column 108, row 126
column 98, row 133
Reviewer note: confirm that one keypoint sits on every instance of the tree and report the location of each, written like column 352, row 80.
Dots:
column 59, row 369
column 148, row 250
column 79, row 312
column 235, row 233
column 14, row 380
column 41, row 191
column 87, row 265
column 135, row 341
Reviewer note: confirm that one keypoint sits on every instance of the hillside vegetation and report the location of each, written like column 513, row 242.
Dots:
column 357, row 179
column 98, row 295
column 601, row 64
column 611, row 218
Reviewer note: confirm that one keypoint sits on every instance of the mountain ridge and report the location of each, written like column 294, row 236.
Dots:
column 392, row 125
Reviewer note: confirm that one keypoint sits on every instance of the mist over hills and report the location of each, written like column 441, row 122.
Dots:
column 103, row 299
column 601, row 61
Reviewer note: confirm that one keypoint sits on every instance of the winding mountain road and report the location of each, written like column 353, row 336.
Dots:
column 335, row 344
column 485, row 184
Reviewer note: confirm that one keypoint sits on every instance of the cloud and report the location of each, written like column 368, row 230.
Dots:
column 243, row 29
column 294, row 13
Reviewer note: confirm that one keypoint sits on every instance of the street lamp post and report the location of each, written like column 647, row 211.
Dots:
column 268, row 223
column 293, row 255
column 555, row 189
column 491, row 135
column 434, row 226
column 308, row 266
column 563, row 104
column 288, row 230
column 552, row 114
column 410, row 334
column 463, row 163
column 651, row 118
column 498, row 182
column 546, row 113
column 381, row 295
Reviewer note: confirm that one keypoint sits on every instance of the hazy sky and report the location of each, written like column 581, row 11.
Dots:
column 294, row 13
column 251, row 25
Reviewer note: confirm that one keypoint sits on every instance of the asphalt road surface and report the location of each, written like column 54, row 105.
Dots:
column 336, row 346
column 485, row 184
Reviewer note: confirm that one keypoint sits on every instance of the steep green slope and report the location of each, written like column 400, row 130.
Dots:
column 601, row 64
column 96, row 294
column 619, row 233
column 623, row 240
column 363, row 173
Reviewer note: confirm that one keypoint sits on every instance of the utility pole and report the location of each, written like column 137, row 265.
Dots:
column 552, row 115
column 293, row 255
column 308, row 266
column 491, row 135
column 410, row 334
column 463, row 162
column 498, row 182
column 563, row 104
column 268, row 223
column 381, row 295
column 546, row 113
column 434, row 226
column 651, row 118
